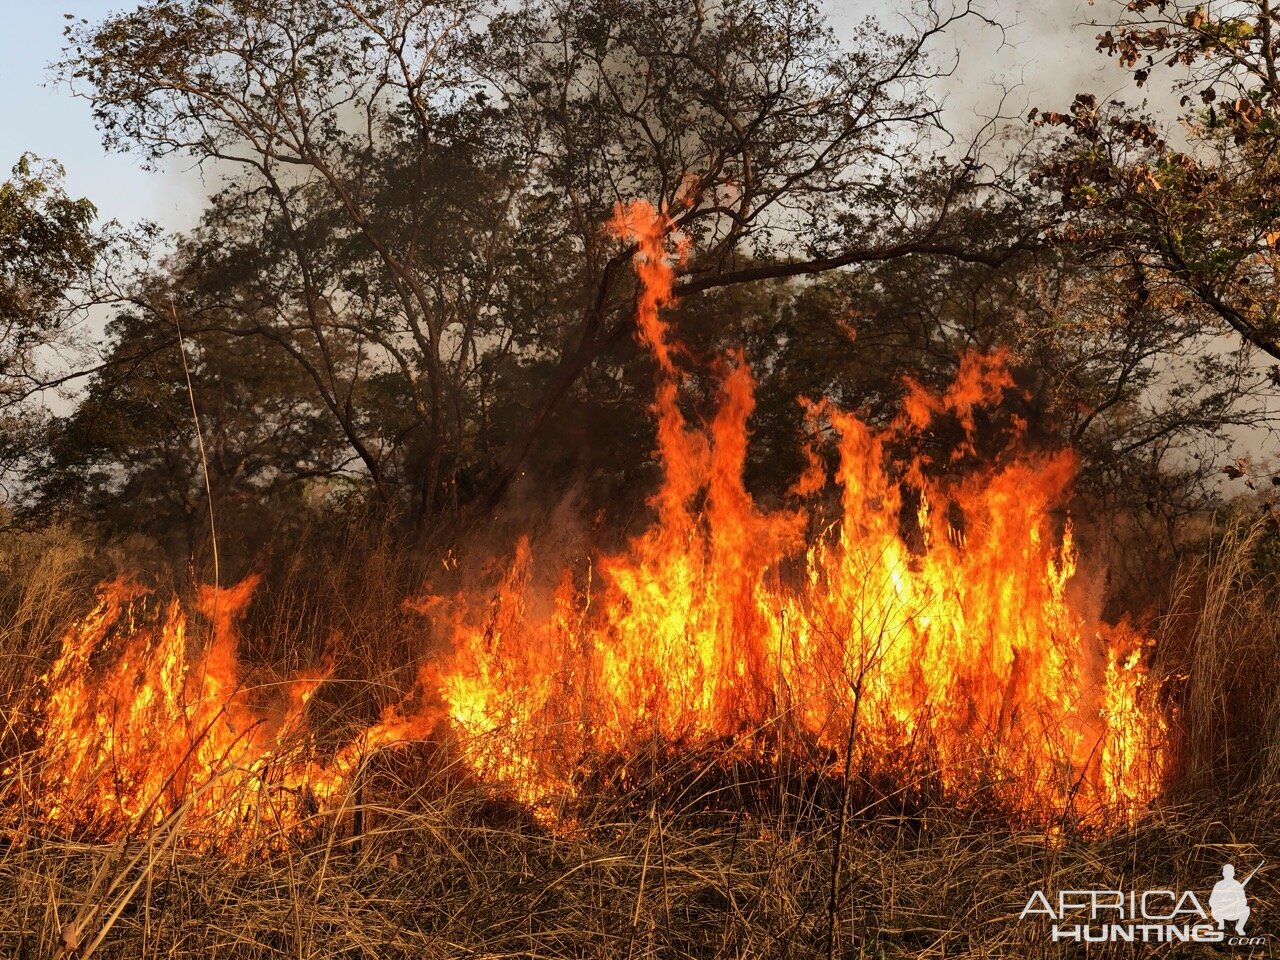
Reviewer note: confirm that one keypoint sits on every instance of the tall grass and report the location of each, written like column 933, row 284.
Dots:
column 1220, row 646
column 45, row 580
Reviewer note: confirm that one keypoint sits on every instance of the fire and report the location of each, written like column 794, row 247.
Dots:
column 929, row 632
column 137, row 729
column 959, row 657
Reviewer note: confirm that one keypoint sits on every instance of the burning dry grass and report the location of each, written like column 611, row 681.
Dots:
column 692, row 855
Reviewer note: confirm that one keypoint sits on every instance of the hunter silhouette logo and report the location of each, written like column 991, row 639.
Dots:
column 1149, row 916
column 1229, row 901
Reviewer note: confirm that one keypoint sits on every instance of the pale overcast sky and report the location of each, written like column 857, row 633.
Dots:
column 42, row 117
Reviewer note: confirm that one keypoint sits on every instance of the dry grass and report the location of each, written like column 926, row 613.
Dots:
column 462, row 877
column 1221, row 643
column 703, row 860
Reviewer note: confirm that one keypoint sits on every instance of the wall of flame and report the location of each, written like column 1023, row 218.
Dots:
column 959, row 658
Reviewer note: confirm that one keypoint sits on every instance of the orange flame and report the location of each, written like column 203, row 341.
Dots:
column 961, row 659
column 929, row 632
column 136, row 729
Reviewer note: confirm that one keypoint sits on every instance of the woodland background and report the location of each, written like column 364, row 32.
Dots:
column 401, row 303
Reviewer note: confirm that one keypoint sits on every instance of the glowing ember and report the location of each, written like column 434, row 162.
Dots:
column 927, row 633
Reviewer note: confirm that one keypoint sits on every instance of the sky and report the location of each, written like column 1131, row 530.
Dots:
column 41, row 116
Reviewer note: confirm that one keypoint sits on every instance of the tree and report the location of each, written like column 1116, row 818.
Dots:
column 328, row 109
column 430, row 182
column 47, row 247
column 1195, row 212
column 128, row 458
column 777, row 150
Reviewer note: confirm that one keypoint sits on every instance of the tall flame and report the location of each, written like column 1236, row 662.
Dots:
column 961, row 658
column 929, row 632
column 134, row 730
